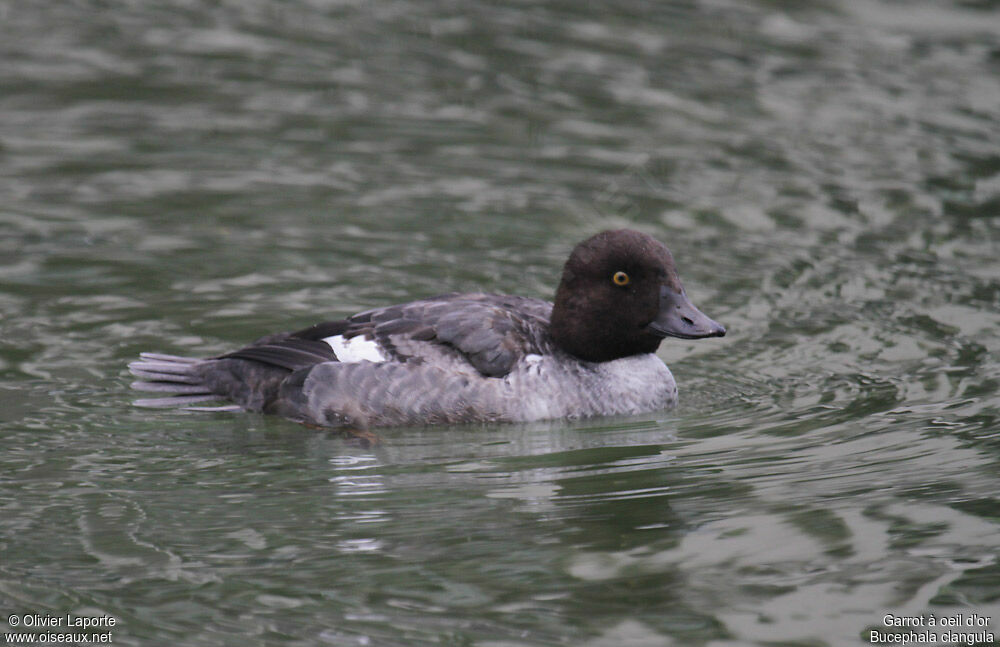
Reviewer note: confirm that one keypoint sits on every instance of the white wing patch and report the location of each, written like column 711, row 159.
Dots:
column 355, row 349
column 533, row 363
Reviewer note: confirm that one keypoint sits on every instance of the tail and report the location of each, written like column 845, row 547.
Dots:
column 178, row 378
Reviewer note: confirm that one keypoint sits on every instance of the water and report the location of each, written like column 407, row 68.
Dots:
column 184, row 177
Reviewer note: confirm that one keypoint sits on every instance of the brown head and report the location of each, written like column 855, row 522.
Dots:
column 620, row 295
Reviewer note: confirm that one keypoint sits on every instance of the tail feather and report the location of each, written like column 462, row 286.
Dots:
column 177, row 359
column 227, row 408
column 170, row 368
column 188, row 388
column 157, row 376
column 173, row 401
column 178, row 379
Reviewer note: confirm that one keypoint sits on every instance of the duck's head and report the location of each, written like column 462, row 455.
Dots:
column 619, row 296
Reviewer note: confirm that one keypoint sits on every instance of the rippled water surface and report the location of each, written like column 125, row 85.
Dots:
column 186, row 176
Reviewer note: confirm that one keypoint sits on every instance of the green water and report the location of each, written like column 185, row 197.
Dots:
column 184, row 177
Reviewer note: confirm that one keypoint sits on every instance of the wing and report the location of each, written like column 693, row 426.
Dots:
column 490, row 332
column 285, row 351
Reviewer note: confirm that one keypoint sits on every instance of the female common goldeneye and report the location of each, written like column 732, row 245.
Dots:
column 465, row 357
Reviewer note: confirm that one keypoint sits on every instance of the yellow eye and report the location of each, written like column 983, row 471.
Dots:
column 620, row 278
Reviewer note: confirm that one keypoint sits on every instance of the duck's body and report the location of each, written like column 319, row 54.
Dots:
column 467, row 357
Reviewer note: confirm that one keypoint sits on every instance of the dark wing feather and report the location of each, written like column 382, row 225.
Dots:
column 490, row 331
column 290, row 353
column 322, row 330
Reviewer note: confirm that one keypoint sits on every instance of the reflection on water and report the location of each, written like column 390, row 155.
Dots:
column 185, row 178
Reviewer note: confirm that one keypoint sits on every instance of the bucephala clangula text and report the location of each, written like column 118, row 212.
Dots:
column 465, row 357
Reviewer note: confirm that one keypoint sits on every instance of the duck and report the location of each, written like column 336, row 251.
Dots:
column 464, row 357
